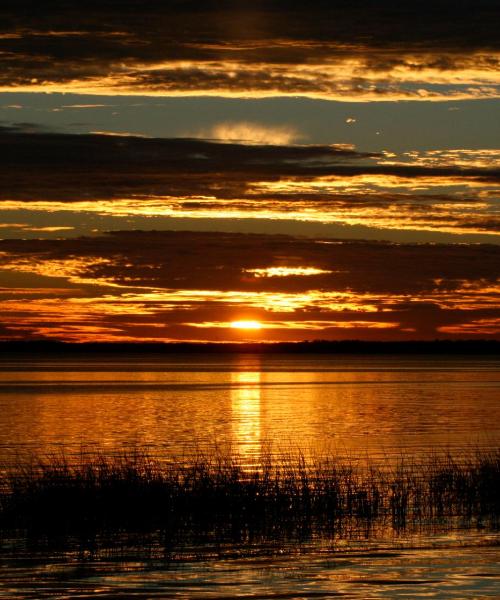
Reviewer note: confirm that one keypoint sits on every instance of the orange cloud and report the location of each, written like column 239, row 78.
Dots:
column 165, row 285
column 343, row 51
column 453, row 192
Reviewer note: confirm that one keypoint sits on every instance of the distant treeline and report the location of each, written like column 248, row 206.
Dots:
column 444, row 347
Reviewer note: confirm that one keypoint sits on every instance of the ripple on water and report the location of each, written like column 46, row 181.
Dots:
column 435, row 569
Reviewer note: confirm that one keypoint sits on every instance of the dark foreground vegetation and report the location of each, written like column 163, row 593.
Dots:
column 218, row 501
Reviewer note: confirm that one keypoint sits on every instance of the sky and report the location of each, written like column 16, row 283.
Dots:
column 234, row 171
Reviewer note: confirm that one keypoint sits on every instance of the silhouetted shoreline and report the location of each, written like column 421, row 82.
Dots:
column 436, row 347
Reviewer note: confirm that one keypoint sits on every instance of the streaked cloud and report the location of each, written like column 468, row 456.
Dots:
column 80, row 259
column 287, row 271
column 342, row 50
column 189, row 285
column 453, row 192
column 84, row 106
column 479, row 326
column 296, row 325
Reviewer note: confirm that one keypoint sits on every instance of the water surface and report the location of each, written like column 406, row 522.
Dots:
column 247, row 404
column 375, row 407
column 431, row 570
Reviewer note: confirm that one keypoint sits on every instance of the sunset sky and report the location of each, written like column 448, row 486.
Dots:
column 232, row 171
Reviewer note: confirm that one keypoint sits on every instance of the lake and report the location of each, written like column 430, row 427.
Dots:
column 246, row 404
column 249, row 406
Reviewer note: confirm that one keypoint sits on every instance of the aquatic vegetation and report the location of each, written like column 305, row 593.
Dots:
column 217, row 500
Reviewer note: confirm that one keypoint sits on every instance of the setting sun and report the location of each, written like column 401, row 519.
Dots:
column 246, row 325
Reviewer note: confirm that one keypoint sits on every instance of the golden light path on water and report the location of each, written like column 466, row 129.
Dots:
column 248, row 405
column 246, row 416
column 355, row 406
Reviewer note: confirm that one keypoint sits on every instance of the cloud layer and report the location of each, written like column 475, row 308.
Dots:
column 242, row 167
column 192, row 285
column 453, row 191
column 344, row 50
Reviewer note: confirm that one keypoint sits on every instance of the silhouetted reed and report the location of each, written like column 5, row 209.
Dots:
column 217, row 500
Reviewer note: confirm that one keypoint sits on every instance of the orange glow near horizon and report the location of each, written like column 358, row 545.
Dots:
column 252, row 325
column 251, row 175
column 166, row 286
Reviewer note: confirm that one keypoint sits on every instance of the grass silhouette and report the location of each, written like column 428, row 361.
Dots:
column 216, row 499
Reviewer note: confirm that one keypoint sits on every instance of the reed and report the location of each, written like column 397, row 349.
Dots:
column 216, row 499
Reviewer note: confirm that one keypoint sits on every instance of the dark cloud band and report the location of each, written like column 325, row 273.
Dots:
column 174, row 285
column 262, row 47
column 75, row 167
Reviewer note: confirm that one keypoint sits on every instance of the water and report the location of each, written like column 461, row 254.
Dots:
column 248, row 405
column 432, row 569
column 375, row 407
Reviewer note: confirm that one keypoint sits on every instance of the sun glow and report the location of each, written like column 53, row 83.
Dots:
column 246, row 325
column 287, row 271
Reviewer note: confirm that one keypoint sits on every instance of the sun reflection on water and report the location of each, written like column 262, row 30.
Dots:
column 246, row 415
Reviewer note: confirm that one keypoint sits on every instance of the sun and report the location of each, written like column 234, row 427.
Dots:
column 246, row 325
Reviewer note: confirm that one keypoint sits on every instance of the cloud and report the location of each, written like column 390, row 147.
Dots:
column 169, row 284
column 225, row 261
column 300, row 325
column 85, row 106
column 253, row 133
column 332, row 50
column 451, row 192
column 480, row 326
column 22, row 128
column 461, row 157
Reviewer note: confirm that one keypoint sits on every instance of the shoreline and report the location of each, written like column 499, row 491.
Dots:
column 484, row 347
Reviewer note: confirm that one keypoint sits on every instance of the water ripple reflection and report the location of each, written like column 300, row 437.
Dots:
column 439, row 572
column 360, row 405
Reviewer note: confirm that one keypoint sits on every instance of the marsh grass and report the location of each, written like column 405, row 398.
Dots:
column 217, row 500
